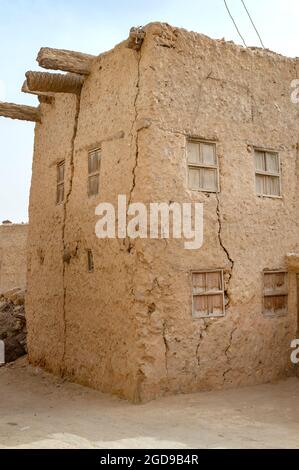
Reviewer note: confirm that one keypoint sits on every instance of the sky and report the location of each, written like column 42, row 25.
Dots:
column 96, row 26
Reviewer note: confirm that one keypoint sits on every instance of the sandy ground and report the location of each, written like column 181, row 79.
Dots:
column 38, row 410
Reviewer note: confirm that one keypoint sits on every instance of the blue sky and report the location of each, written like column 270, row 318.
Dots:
column 95, row 26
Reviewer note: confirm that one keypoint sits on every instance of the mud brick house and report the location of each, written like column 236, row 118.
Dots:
column 167, row 115
column 13, row 256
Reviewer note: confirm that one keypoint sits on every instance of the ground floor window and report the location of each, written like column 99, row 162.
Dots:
column 275, row 293
column 208, row 294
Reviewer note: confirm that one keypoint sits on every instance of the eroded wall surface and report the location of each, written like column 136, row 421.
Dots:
column 127, row 328
column 13, row 256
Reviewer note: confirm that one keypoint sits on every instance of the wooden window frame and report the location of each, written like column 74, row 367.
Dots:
column 268, row 173
column 90, row 261
column 278, row 294
column 60, row 183
column 203, row 165
column 92, row 174
column 208, row 293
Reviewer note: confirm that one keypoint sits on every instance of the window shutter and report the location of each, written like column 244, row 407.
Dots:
column 94, row 161
column 267, row 173
column 208, row 294
column 202, row 166
column 275, row 293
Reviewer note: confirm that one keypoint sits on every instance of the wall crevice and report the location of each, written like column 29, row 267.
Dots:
column 166, row 346
column 136, row 131
column 68, row 195
column 229, row 258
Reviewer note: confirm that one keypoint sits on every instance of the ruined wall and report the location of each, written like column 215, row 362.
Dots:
column 13, row 256
column 194, row 86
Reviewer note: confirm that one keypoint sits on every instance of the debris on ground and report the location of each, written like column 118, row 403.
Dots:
column 13, row 323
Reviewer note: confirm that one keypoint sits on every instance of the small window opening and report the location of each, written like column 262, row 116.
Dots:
column 90, row 262
column 202, row 166
column 94, row 161
column 60, row 183
column 208, row 294
column 275, row 293
column 267, row 173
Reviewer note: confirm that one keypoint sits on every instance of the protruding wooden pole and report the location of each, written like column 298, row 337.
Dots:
column 54, row 82
column 43, row 97
column 22, row 112
column 67, row 61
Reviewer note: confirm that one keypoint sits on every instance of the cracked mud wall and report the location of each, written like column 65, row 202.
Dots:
column 194, row 86
column 13, row 256
column 81, row 324
column 45, row 293
column 127, row 328
column 101, row 331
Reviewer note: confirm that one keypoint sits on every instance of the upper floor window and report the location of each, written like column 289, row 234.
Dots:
column 94, row 161
column 267, row 173
column 202, row 166
column 60, row 183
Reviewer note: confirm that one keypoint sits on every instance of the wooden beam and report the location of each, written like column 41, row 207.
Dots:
column 67, row 61
column 22, row 112
column 43, row 97
column 136, row 38
column 54, row 82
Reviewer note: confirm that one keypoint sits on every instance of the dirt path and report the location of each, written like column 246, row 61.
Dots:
column 41, row 411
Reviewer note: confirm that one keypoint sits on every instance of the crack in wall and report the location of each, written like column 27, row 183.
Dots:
column 231, row 261
column 166, row 346
column 226, row 354
column 127, row 241
column 201, row 335
column 197, row 350
column 72, row 169
column 137, row 131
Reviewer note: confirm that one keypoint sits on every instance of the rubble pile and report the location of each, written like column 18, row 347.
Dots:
column 13, row 323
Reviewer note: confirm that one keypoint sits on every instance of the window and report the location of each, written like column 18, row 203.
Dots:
column 208, row 294
column 90, row 263
column 275, row 293
column 202, row 166
column 94, row 159
column 60, row 183
column 267, row 173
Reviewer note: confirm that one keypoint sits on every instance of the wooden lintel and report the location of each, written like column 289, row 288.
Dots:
column 67, row 61
column 22, row 112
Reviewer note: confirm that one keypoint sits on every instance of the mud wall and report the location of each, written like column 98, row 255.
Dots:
column 82, row 324
column 238, row 98
column 13, row 256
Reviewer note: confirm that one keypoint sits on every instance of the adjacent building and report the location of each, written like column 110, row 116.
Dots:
column 13, row 256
